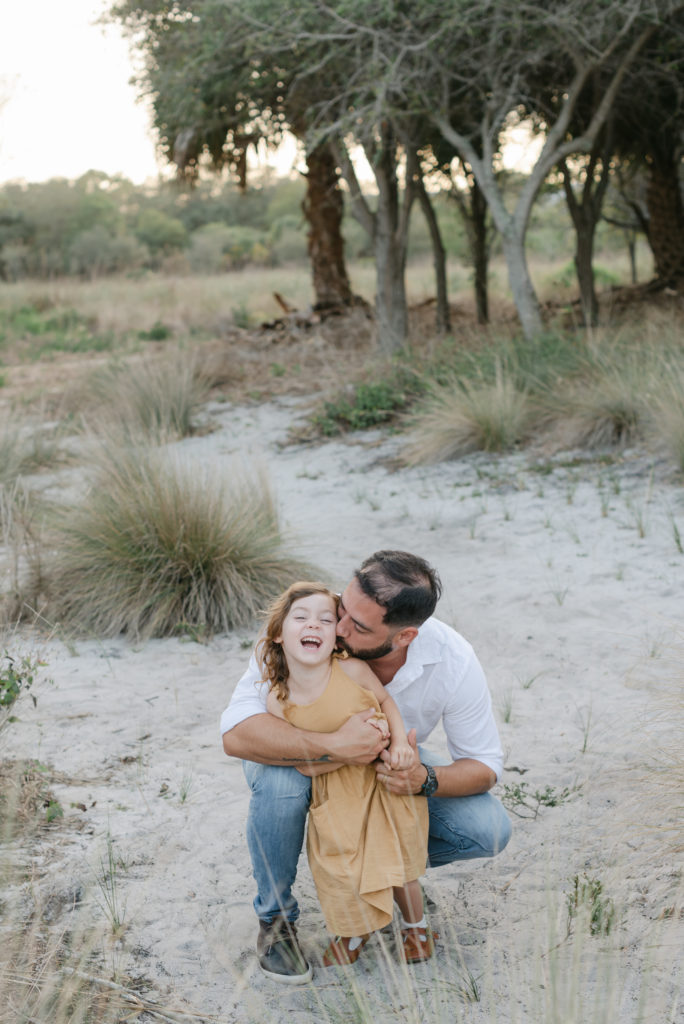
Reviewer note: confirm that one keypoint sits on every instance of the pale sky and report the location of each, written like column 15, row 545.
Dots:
column 66, row 105
column 65, row 102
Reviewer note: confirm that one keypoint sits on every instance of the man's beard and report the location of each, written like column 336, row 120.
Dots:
column 372, row 655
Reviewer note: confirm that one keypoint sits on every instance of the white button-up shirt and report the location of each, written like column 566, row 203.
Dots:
column 441, row 680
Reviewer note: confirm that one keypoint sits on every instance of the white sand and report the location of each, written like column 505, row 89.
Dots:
column 576, row 617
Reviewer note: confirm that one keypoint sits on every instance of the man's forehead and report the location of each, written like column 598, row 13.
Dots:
column 360, row 607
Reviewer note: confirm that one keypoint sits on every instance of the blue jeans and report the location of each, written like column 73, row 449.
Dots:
column 461, row 828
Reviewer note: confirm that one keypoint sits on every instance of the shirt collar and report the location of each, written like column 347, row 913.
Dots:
column 424, row 650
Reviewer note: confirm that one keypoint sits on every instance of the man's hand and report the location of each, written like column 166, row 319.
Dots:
column 358, row 741
column 404, row 780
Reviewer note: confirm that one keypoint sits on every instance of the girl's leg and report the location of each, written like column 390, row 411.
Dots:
column 409, row 898
column 417, row 939
column 344, row 950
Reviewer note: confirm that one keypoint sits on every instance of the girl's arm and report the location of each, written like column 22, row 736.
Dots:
column 399, row 751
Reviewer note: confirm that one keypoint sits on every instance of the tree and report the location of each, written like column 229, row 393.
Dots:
column 644, row 126
column 474, row 212
column 649, row 129
column 214, row 92
column 511, row 50
column 434, row 60
column 160, row 233
column 43, row 220
column 334, row 53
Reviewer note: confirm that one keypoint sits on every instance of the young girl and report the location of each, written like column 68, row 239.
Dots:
column 366, row 846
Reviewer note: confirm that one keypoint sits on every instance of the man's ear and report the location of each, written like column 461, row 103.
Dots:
column 404, row 637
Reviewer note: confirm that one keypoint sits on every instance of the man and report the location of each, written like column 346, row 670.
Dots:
column 433, row 674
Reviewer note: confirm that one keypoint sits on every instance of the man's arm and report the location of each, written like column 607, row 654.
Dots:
column 464, row 777
column 270, row 740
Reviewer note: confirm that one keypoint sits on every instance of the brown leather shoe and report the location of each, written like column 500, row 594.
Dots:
column 419, row 944
column 338, row 953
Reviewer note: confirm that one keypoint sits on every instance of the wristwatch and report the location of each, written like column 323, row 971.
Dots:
column 430, row 785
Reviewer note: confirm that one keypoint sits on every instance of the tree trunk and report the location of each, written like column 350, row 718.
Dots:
column 631, row 249
column 585, row 214
column 479, row 244
column 524, row 295
column 391, row 239
column 390, row 260
column 443, row 317
column 390, row 298
column 323, row 208
column 666, row 219
column 584, row 266
column 472, row 207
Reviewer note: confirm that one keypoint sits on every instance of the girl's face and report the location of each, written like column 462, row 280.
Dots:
column 309, row 630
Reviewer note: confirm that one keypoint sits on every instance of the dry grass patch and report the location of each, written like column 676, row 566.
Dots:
column 462, row 416
column 607, row 404
column 21, row 533
column 158, row 545
column 157, row 400
column 25, row 798
column 26, row 445
column 667, row 412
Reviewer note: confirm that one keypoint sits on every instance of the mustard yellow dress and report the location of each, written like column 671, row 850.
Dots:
column 361, row 840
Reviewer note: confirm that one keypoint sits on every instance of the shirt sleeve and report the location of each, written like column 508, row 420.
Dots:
column 468, row 720
column 249, row 698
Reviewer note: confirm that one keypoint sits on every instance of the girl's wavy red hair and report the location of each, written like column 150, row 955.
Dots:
column 270, row 654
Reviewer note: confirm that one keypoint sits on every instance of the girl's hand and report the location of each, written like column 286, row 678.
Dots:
column 400, row 755
column 381, row 725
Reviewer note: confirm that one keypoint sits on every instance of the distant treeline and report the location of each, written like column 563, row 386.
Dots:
column 101, row 225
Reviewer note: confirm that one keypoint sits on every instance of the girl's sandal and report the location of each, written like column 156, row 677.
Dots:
column 419, row 944
column 338, row 953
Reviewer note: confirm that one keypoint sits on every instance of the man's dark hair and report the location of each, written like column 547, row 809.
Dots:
column 406, row 586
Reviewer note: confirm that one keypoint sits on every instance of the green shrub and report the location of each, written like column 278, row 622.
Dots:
column 17, row 675
column 586, row 900
column 46, row 330
column 534, row 364
column 158, row 545
column 365, row 405
column 157, row 332
column 566, row 276
column 524, row 803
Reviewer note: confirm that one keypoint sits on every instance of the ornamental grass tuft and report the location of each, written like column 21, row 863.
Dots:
column 158, row 546
column 667, row 412
column 461, row 416
column 155, row 399
column 605, row 405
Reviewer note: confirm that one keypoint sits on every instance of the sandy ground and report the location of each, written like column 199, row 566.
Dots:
column 566, row 577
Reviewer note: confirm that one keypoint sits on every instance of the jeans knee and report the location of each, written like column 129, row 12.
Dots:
column 500, row 834
column 466, row 827
column 275, row 783
column 506, row 831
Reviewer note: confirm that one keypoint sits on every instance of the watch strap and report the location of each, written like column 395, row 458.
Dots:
column 430, row 784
